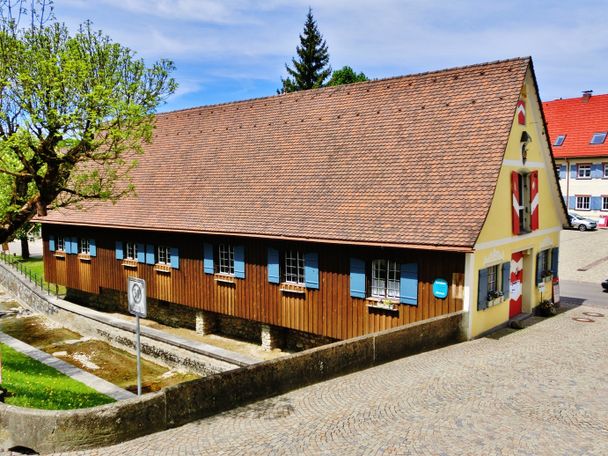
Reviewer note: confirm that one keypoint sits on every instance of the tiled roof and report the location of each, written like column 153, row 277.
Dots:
column 578, row 119
column 409, row 161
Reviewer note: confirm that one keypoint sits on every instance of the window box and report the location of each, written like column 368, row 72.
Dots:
column 129, row 263
column 384, row 304
column 60, row 255
column 224, row 278
column 161, row 267
column 85, row 257
column 293, row 288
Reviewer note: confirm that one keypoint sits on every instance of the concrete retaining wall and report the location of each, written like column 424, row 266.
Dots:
column 46, row 431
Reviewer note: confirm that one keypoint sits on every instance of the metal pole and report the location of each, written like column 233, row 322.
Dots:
column 138, row 359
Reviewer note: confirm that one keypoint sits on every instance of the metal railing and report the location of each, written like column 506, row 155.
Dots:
column 38, row 281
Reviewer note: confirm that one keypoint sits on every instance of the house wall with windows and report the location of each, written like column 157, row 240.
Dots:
column 330, row 290
column 517, row 250
column 578, row 129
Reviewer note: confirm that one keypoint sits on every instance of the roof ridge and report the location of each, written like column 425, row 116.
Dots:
column 575, row 98
column 341, row 87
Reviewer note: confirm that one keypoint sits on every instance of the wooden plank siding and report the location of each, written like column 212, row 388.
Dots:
column 329, row 311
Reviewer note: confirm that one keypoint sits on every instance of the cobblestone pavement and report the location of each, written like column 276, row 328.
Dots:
column 538, row 391
column 580, row 250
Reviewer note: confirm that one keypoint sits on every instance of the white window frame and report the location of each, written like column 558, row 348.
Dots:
column 494, row 278
column 130, row 251
column 225, row 256
column 163, row 255
column 293, row 271
column 60, row 244
column 559, row 143
column 604, row 206
column 582, row 202
column 605, row 170
column 386, row 279
column 525, row 209
column 84, row 246
column 586, row 171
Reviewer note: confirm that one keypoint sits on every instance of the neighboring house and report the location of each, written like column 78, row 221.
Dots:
column 578, row 128
column 331, row 213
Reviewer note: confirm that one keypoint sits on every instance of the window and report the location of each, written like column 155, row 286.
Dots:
column 60, row 243
column 543, row 262
column 493, row 279
column 605, row 170
column 131, row 251
column 559, row 140
column 163, row 255
column 85, row 247
column 226, row 259
column 294, row 267
column 598, row 138
column 604, row 203
column 584, row 171
column 583, row 203
column 385, row 279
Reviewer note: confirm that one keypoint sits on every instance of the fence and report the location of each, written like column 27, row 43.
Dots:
column 38, row 281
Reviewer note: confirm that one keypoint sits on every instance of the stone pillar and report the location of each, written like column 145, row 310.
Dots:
column 271, row 337
column 205, row 323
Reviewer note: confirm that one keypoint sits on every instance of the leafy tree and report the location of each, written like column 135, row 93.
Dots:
column 71, row 106
column 311, row 69
column 346, row 75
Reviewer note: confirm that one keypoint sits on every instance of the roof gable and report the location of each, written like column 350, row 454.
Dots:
column 409, row 161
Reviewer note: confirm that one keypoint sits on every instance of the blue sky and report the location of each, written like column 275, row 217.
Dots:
column 229, row 50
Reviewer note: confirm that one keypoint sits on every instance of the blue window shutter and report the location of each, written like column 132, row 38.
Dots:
column 67, row 244
column 597, row 171
column 73, row 245
column 571, row 202
column 92, row 248
column 239, row 261
column 409, row 284
column 208, row 258
column 555, row 261
column 573, row 171
column 506, row 279
column 141, row 253
column 538, row 271
column 595, row 203
column 174, row 252
column 357, row 278
column 150, row 254
column 311, row 270
column 52, row 243
column 562, row 172
column 482, row 290
column 119, row 254
column 273, row 265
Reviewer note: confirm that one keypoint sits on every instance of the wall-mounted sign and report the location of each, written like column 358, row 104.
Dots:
column 440, row 288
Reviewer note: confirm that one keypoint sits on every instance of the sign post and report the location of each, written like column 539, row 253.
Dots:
column 138, row 307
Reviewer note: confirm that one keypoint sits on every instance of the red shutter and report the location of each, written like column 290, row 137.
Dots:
column 521, row 112
column 534, row 200
column 516, row 202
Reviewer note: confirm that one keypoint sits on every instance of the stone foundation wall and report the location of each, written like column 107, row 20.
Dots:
column 176, row 315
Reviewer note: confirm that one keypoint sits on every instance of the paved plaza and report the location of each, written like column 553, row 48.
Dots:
column 538, row 391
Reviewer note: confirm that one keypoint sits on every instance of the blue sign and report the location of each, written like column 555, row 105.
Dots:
column 440, row 288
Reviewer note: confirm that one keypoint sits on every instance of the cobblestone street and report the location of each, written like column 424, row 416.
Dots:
column 542, row 390
column 587, row 250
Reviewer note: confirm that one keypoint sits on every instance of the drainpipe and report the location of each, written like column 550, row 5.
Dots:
column 567, row 184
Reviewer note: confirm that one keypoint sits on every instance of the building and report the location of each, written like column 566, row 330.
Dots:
column 331, row 213
column 578, row 129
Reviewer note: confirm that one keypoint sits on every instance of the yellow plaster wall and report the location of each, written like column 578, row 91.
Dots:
column 496, row 242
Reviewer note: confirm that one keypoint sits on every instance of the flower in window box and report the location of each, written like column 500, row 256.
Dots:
column 492, row 295
column 386, row 303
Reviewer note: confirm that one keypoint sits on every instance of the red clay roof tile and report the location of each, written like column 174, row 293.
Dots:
column 409, row 161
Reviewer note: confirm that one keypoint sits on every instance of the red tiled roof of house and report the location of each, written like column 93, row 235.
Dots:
column 411, row 161
column 578, row 119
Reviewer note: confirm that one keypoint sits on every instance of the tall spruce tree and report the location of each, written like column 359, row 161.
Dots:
column 311, row 69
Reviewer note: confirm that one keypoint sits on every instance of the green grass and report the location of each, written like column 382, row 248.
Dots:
column 36, row 266
column 35, row 385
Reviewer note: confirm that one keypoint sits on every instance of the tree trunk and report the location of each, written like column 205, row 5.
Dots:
column 25, row 248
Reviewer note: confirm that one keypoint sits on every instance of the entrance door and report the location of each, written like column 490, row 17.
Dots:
column 517, row 276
